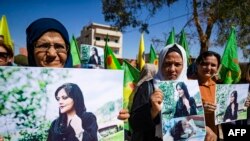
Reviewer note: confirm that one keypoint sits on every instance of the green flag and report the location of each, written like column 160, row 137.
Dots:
column 153, row 56
column 171, row 37
column 110, row 61
column 74, row 52
column 230, row 70
column 184, row 44
column 131, row 76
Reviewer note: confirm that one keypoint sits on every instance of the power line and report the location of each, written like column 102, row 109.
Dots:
column 157, row 23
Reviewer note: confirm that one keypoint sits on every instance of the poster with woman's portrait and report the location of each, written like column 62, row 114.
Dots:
column 230, row 99
column 181, row 99
column 60, row 104
column 92, row 57
column 191, row 128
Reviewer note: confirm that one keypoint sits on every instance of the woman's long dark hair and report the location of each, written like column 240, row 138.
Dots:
column 74, row 92
column 200, row 59
column 96, row 51
column 235, row 95
column 184, row 88
column 177, row 130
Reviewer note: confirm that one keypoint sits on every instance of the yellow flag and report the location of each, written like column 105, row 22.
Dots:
column 140, row 57
column 4, row 31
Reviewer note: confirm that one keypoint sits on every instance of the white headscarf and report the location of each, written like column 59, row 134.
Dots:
column 159, row 76
column 183, row 74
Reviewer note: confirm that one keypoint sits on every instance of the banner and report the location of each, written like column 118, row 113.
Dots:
column 34, row 100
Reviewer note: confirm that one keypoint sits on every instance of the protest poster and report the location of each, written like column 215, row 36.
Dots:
column 91, row 56
column 31, row 99
column 182, row 111
column 230, row 99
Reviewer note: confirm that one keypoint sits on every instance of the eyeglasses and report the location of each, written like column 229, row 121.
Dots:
column 60, row 48
column 4, row 55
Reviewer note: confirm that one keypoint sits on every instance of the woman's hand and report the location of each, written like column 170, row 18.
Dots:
column 76, row 124
column 123, row 114
column 156, row 100
column 209, row 107
column 1, row 138
column 210, row 136
column 247, row 103
column 186, row 103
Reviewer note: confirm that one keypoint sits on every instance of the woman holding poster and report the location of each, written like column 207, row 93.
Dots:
column 145, row 112
column 232, row 108
column 207, row 67
column 73, row 123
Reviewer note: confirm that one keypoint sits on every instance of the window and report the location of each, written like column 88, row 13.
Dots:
column 116, row 51
column 97, row 38
column 116, row 41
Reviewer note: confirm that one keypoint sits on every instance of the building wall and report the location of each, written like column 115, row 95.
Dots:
column 95, row 34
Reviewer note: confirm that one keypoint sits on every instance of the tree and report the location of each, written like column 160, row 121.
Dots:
column 207, row 14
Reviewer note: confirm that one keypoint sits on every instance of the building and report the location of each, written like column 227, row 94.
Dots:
column 95, row 34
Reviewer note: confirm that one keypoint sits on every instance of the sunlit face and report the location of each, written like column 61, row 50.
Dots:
column 180, row 91
column 51, row 57
column 66, row 104
column 4, row 58
column 172, row 66
column 208, row 67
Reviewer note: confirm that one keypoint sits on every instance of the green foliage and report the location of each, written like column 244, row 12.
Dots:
column 168, row 89
column 128, row 12
column 210, row 14
column 198, row 102
column 108, row 110
column 85, row 54
column 38, row 134
column 242, row 114
column 222, row 92
column 114, row 137
column 23, row 99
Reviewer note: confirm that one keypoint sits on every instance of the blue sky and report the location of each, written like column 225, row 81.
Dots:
column 75, row 14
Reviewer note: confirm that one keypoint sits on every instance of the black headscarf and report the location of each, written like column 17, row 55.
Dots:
column 37, row 28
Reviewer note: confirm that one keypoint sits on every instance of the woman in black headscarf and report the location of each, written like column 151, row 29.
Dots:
column 73, row 123
column 42, row 34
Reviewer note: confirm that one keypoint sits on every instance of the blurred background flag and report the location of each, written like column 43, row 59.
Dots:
column 184, row 44
column 4, row 31
column 131, row 76
column 74, row 52
column 110, row 61
column 229, row 71
column 171, row 37
column 153, row 56
column 140, row 56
